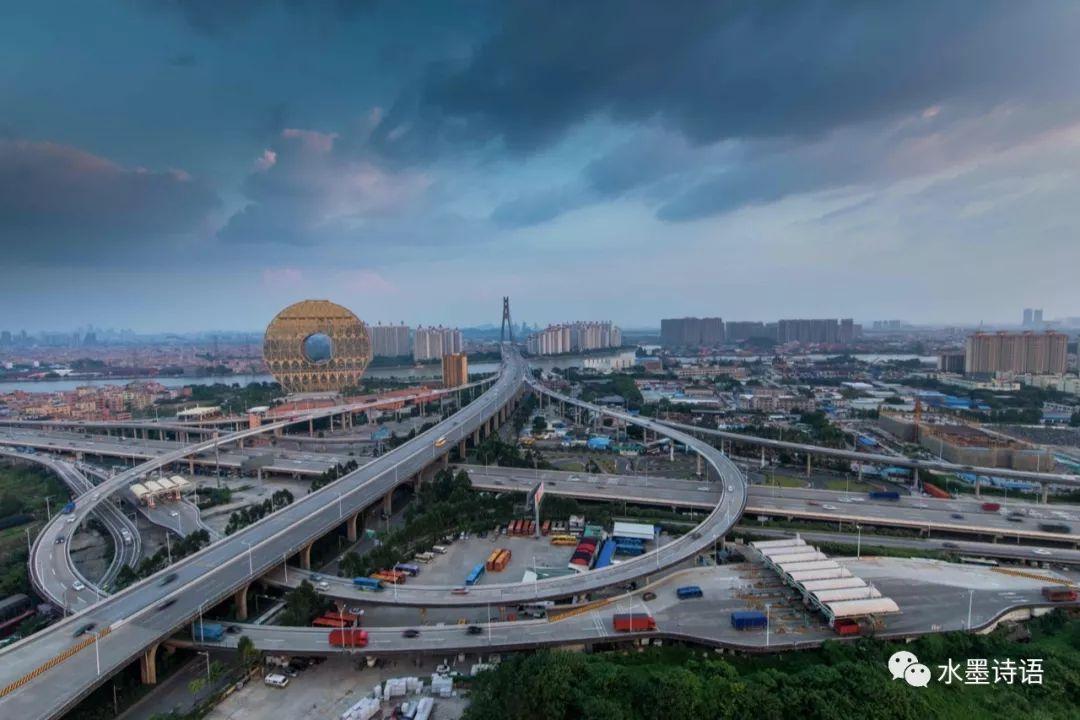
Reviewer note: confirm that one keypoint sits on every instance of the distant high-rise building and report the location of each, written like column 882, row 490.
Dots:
column 434, row 342
column 389, row 340
column 5, row 338
column 1036, row 316
column 691, row 331
column 1027, row 352
column 1027, row 317
column 455, row 370
column 736, row 331
column 574, row 337
column 847, row 331
column 820, row 332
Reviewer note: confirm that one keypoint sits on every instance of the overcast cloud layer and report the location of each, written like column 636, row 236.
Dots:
column 612, row 159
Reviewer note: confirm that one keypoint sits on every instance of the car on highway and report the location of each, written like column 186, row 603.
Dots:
column 77, row 585
column 167, row 604
column 826, row 506
column 956, row 516
column 1015, row 517
column 649, row 595
column 167, row 579
column 474, row 630
column 1041, row 551
column 440, row 442
column 60, row 540
column 324, row 586
column 174, row 514
column 83, row 629
column 232, row 629
column 949, row 545
column 410, row 633
column 70, row 519
column 460, row 591
column 316, row 577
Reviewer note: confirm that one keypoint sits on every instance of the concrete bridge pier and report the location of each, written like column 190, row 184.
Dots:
column 352, row 529
column 148, row 665
column 476, row 437
column 240, row 600
column 388, row 503
column 699, row 464
column 1045, row 493
column 305, row 557
column 461, row 450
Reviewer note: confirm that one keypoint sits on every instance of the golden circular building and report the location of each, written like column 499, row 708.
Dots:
column 316, row 346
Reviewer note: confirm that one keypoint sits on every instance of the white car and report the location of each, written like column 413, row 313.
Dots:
column 828, row 507
column 70, row 519
column 77, row 585
column 174, row 514
column 1042, row 551
column 324, row 586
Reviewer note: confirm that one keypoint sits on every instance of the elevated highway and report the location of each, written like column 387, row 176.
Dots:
column 1043, row 479
column 38, row 678
column 925, row 514
column 52, row 571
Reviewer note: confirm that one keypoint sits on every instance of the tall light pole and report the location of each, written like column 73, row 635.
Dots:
column 206, row 653
column 768, row 606
column 971, row 597
column 168, row 546
column 251, row 568
column 97, row 653
column 858, row 543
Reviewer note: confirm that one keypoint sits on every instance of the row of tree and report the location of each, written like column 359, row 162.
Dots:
column 187, row 545
column 253, row 513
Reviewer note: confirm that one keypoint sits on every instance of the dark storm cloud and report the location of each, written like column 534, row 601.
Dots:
column 58, row 203
column 217, row 16
column 717, row 70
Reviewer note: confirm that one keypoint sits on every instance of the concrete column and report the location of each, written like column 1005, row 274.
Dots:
column 461, row 450
column 1045, row 493
column 311, row 428
column 699, row 464
column 351, row 529
column 388, row 503
column 148, row 665
column 978, row 487
column 807, row 464
column 444, row 461
column 305, row 557
column 191, row 466
column 476, row 437
column 240, row 600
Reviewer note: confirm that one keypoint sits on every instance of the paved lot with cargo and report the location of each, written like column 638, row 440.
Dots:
column 327, row 691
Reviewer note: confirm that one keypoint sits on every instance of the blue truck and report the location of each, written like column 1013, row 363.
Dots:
column 368, row 584
column 207, row 632
column 688, row 592
column 69, row 507
column 884, row 495
column 748, row 619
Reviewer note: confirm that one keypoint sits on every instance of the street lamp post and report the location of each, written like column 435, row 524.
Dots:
column 768, row 606
column 251, row 567
column 971, row 597
column 858, row 543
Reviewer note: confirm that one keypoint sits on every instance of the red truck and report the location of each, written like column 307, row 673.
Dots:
column 348, row 637
column 1059, row 593
column 633, row 622
column 991, row 506
column 846, row 626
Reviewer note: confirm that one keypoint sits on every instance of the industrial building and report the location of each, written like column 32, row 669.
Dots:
column 968, row 445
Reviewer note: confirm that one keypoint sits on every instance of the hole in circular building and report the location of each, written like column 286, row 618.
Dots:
column 318, row 348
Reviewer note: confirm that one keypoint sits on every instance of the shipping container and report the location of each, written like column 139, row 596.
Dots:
column 607, row 551
column 564, row 540
column 846, row 626
column 934, row 491
column 207, row 632
column 349, row 637
column 489, row 564
column 475, row 574
column 884, row 495
column 1059, row 593
column 747, row 619
column 633, row 622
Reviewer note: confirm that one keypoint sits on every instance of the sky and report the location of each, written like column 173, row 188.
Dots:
column 191, row 165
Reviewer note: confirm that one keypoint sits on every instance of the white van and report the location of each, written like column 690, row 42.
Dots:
column 275, row 680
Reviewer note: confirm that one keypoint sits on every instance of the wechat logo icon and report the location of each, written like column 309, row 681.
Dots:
column 904, row 664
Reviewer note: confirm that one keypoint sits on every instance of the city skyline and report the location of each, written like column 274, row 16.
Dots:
column 184, row 161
